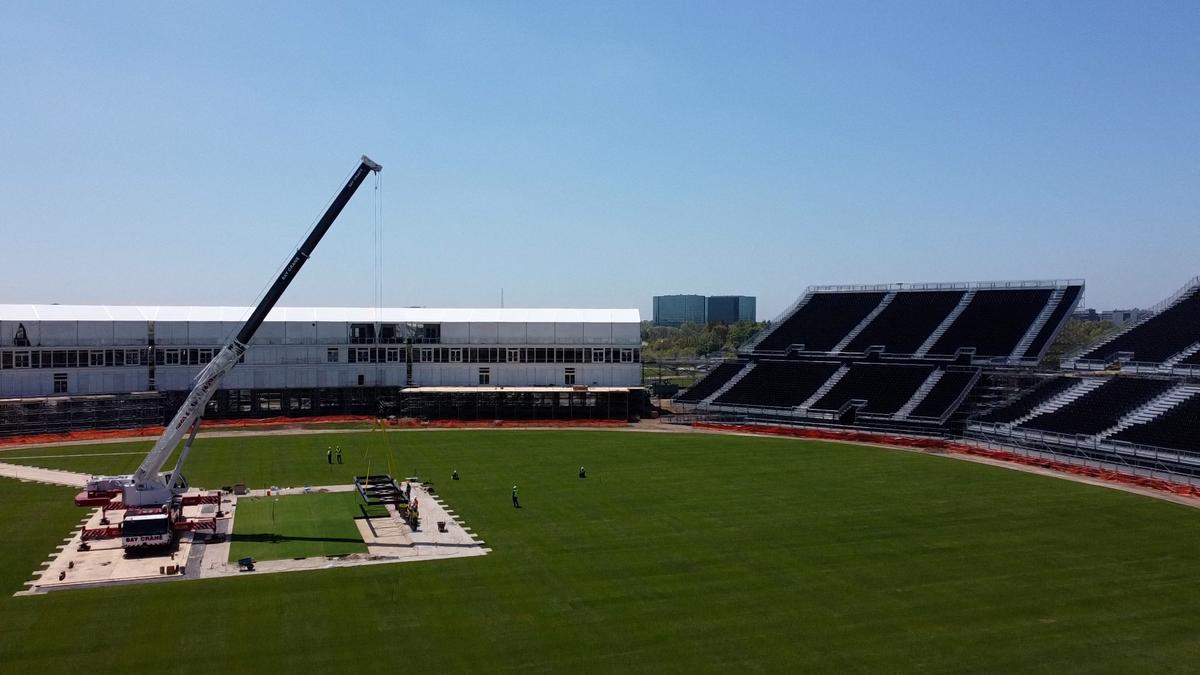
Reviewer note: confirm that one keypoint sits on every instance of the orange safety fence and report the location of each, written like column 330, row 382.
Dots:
column 411, row 423
column 251, row 424
column 1098, row 473
column 155, row 431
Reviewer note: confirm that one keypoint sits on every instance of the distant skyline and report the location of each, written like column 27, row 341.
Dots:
column 596, row 154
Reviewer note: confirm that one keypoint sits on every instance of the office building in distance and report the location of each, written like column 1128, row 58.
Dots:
column 676, row 310
column 730, row 308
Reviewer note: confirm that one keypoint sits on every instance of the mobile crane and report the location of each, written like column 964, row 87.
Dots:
column 153, row 498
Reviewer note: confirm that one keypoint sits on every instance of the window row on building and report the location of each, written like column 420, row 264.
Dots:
column 510, row 355
column 390, row 334
column 171, row 356
column 73, row 358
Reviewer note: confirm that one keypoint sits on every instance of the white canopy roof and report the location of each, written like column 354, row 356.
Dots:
column 318, row 314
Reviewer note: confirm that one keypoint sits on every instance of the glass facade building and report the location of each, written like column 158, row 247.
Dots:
column 730, row 308
column 676, row 310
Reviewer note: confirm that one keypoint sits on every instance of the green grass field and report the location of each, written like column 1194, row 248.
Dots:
column 296, row 526
column 679, row 552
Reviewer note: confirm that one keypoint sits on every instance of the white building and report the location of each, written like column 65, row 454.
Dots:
column 50, row 350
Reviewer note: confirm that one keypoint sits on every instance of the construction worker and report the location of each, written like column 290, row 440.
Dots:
column 516, row 504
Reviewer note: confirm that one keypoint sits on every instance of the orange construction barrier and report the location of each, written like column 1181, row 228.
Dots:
column 251, row 424
column 411, row 423
column 155, row 431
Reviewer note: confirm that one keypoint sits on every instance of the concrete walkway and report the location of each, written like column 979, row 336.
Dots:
column 389, row 539
column 40, row 475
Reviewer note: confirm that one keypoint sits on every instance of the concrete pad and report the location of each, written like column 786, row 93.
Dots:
column 40, row 475
column 389, row 540
column 105, row 562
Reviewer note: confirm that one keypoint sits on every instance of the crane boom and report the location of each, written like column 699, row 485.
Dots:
column 148, row 486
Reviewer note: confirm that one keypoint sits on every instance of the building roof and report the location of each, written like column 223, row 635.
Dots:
column 317, row 314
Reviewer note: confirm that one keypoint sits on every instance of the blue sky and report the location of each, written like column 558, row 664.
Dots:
column 596, row 154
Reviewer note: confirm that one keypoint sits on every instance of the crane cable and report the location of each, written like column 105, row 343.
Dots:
column 381, row 354
column 377, row 305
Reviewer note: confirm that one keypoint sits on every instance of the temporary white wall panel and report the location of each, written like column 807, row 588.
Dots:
column 205, row 333
column 540, row 333
column 597, row 333
column 327, row 378
column 95, row 333
column 59, row 333
column 85, row 383
column 300, row 333
column 486, row 333
column 302, row 377
column 269, row 334
column 319, row 314
column 423, row 375
column 550, row 376
column 333, row 333
column 627, row 334
column 170, row 332
column 291, row 349
column 393, row 377
column 172, row 379
column 130, row 332
column 138, row 380
column 456, row 333
column 568, row 333
column 511, row 333
column 33, row 331
column 237, row 379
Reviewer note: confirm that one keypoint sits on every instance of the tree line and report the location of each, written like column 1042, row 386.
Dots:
column 693, row 340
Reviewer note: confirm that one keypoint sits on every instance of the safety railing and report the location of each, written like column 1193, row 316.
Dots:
column 1167, row 463
column 946, row 286
column 1072, row 360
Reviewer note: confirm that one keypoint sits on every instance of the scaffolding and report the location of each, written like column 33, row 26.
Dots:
column 62, row 414
column 439, row 403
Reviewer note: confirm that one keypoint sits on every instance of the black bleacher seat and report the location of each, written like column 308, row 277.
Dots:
column 710, row 383
column 1027, row 401
column 1193, row 360
column 994, row 322
column 1177, row 428
column 885, row 387
column 821, row 322
column 939, row 401
column 906, row 322
column 1070, row 295
column 1100, row 408
column 1158, row 338
column 779, row 384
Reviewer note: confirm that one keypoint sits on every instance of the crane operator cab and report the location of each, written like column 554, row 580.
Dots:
column 146, row 529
